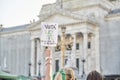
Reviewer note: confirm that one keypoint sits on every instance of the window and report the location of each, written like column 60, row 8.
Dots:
column 56, row 65
column 77, row 63
column 66, row 61
column 77, row 46
column 89, row 45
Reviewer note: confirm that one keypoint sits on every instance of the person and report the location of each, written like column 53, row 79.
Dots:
column 64, row 74
column 94, row 75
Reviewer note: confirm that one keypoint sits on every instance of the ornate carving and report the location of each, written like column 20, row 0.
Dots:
column 68, row 43
column 57, row 48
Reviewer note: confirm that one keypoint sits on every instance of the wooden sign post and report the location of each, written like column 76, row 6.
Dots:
column 48, row 60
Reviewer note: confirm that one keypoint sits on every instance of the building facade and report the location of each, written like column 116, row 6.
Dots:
column 93, row 24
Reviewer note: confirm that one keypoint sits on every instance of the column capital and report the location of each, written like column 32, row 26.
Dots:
column 73, row 36
column 91, row 35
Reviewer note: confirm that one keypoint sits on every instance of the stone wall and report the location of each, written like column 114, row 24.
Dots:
column 15, row 53
column 109, row 47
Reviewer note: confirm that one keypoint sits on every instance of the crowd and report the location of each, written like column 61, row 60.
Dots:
column 68, row 74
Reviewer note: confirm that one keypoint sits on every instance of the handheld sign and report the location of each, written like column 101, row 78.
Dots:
column 49, row 34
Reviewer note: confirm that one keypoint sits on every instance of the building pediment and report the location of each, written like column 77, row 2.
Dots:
column 55, row 18
column 61, row 19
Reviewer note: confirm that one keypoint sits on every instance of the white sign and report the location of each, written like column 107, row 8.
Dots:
column 49, row 34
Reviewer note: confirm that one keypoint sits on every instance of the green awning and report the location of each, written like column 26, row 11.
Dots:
column 4, row 75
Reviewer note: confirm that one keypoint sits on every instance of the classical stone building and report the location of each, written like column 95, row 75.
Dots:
column 93, row 24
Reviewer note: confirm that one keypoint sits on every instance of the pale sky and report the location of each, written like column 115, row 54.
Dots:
column 18, row 12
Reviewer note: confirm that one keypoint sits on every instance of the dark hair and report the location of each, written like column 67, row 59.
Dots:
column 94, row 75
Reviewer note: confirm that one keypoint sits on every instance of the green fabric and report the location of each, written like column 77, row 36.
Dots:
column 54, row 75
column 4, row 75
column 21, row 77
column 62, row 72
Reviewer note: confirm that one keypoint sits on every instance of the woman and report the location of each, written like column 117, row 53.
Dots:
column 94, row 75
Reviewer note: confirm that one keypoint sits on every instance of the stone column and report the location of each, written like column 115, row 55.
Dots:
column 85, row 48
column 93, row 52
column 97, row 56
column 42, row 57
column 73, row 53
column 32, row 56
column 38, row 54
column 35, row 58
column 81, row 54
